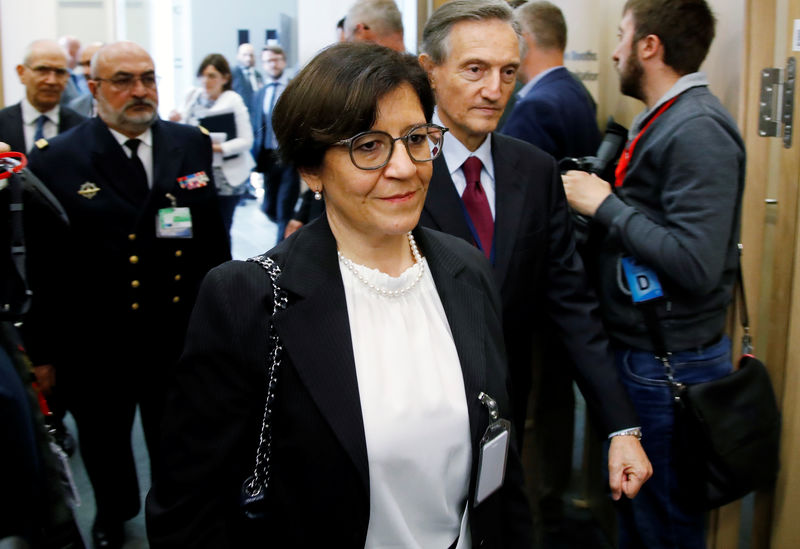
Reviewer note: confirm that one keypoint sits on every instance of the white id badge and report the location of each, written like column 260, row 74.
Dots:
column 174, row 223
column 493, row 453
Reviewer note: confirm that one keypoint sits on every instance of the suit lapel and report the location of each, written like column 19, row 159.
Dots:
column 463, row 306
column 443, row 205
column 15, row 135
column 509, row 201
column 315, row 331
column 167, row 158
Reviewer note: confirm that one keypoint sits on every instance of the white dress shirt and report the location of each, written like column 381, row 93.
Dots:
column 455, row 153
column 30, row 116
column 414, row 408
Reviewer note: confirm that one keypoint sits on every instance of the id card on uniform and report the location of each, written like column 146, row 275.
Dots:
column 174, row 223
column 493, row 453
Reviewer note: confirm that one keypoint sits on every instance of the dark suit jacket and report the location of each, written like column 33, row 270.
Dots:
column 108, row 288
column 557, row 115
column 11, row 130
column 259, row 119
column 319, row 479
column 242, row 86
column 538, row 272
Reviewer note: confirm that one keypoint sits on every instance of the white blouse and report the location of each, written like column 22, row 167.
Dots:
column 414, row 409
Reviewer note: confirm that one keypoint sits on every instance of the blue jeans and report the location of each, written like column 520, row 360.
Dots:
column 655, row 518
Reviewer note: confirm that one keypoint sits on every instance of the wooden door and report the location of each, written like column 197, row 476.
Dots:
column 771, row 265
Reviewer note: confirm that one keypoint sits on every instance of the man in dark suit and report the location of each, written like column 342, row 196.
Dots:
column 145, row 228
column 554, row 112
column 39, row 115
column 246, row 78
column 512, row 207
column 281, row 182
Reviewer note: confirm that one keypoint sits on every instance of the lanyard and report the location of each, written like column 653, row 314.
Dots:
column 627, row 154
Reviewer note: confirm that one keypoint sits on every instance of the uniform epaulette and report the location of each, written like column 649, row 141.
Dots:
column 202, row 129
column 42, row 143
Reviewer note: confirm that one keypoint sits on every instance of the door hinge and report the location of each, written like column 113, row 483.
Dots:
column 777, row 102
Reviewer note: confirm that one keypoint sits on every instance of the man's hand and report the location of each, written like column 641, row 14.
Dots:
column 45, row 377
column 4, row 147
column 628, row 466
column 585, row 192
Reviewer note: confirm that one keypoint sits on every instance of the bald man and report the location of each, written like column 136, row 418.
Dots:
column 44, row 73
column 145, row 228
column 377, row 21
column 247, row 80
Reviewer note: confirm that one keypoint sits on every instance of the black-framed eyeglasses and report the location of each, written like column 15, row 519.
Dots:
column 126, row 82
column 373, row 149
column 43, row 71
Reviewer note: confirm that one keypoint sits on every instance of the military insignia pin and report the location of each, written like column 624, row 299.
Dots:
column 193, row 181
column 88, row 190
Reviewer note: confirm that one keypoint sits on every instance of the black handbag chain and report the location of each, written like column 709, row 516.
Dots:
column 255, row 487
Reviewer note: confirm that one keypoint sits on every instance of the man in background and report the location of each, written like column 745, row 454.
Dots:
column 554, row 112
column 504, row 196
column 145, row 227
column 247, row 80
column 40, row 114
column 281, row 181
column 672, row 219
column 377, row 21
column 71, row 47
column 84, row 104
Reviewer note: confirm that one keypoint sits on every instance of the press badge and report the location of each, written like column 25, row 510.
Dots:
column 642, row 280
column 493, row 452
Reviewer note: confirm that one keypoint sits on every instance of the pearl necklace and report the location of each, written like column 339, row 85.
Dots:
column 352, row 267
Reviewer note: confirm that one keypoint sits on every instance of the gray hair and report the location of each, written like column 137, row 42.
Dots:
column 545, row 22
column 437, row 29
column 383, row 16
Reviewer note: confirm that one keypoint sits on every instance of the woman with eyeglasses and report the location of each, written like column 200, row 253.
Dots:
column 355, row 398
column 216, row 105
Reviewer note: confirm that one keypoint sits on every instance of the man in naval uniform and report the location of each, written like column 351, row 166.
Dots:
column 108, row 320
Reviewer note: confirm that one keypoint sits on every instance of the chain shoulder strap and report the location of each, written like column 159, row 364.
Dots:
column 255, row 487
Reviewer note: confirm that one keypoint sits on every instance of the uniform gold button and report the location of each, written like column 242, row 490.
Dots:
column 177, row 278
column 134, row 259
column 176, row 299
column 134, row 283
column 178, row 253
column 132, row 236
column 134, row 306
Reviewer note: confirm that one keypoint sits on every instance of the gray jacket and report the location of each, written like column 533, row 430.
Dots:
column 678, row 212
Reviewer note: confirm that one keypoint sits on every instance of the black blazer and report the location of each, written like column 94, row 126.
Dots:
column 538, row 272
column 320, row 480
column 11, row 130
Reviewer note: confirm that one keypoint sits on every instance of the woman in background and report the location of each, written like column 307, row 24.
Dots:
column 233, row 161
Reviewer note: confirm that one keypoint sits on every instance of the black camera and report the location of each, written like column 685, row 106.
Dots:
column 602, row 165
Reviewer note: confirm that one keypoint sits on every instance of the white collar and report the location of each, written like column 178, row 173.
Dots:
column 146, row 137
column 30, row 113
column 455, row 152
column 535, row 80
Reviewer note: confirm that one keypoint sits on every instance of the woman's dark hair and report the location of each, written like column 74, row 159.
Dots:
column 336, row 96
column 218, row 61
